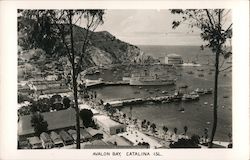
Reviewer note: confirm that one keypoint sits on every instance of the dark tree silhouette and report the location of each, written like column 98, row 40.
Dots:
column 107, row 107
column 148, row 123
column 153, row 126
column 186, row 143
column 124, row 115
column 66, row 102
column 56, row 98
column 185, row 130
column 216, row 32
column 175, row 130
column 39, row 124
column 165, row 129
column 86, row 116
column 145, row 144
column 112, row 111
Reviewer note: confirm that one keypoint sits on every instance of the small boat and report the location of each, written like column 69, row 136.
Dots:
column 164, row 92
column 208, row 91
column 190, row 97
column 97, row 71
column 184, row 86
column 151, row 92
column 166, row 101
column 177, row 96
column 199, row 91
column 190, row 72
column 181, row 109
column 136, row 92
column 201, row 75
column 157, row 89
column 150, row 102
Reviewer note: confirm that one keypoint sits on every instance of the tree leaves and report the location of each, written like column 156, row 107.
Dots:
column 175, row 24
column 207, row 21
column 39, row 124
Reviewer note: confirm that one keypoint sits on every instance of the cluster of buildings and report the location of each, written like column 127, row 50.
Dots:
column 61, row 132
column 43, row 88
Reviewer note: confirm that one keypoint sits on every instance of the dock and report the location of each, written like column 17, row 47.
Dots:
column 158, row 99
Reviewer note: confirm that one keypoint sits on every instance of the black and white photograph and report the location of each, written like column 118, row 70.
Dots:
column 91, row 79
column 124, row 80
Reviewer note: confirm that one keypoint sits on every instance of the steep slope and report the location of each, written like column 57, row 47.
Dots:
column 113, row 50
column 103, row 49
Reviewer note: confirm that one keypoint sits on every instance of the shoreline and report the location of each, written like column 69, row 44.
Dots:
column 159, row 135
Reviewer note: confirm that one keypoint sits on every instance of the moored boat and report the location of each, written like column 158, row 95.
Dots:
column 190, row 97
column 199, row 91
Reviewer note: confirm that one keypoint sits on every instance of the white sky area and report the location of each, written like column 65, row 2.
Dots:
column 148, row 27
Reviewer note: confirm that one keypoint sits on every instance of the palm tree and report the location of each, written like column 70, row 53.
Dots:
column 148, row 123
column 185, row 130
column 153, row 126
column 206, row 134
column 175, row 130
column 165, row 129
column 124, row 115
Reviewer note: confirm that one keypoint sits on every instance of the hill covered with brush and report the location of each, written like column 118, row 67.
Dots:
column 103, row 49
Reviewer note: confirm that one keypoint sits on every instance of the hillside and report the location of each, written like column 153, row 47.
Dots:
column 103, row 49
column 106, row 48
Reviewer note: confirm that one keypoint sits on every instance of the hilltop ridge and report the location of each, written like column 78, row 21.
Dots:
column 103, row 49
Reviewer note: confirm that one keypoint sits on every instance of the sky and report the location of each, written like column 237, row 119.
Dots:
column 148, row 27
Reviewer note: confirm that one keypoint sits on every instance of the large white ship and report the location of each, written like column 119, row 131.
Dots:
column 152, row 78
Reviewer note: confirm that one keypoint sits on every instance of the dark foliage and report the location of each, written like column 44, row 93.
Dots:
column 66, row 102
column 86, row 116
column 165, row 128
column 153, row 126
column 145, row 144
column 187, row 143
column 39, row 124
column 21, row 98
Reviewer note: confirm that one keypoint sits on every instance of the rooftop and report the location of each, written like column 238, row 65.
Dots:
column 56, row 120
column 120, row 141
column 93, row 131
column 106, row 120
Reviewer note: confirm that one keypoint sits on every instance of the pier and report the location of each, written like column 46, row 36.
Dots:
column 193, row 96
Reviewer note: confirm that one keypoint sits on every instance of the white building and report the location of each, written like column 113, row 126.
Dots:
column 108, row 125
column 173, row 59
